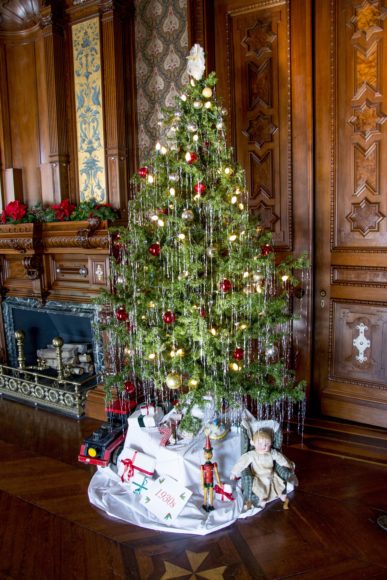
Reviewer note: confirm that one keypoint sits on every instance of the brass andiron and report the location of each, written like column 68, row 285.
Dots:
column 57, row 343
column 21, row 359
column 38, row 384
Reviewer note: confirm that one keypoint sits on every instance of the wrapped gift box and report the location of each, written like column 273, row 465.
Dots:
column 138, row 419
column 166, row 498
column 147, row 409
column 132, row 463
column 223, row 492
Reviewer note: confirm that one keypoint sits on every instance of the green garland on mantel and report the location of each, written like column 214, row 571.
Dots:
column 17, row 212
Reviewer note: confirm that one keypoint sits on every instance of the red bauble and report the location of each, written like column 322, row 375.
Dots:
column 203, row 313
column 169, row 317
column 129, row 387
column 143, row 172
column 121, row 314
column 266, row 250
column 200, row 188
column 238, row 353
column 154, row 249
column 193, row 158
column 225, row 285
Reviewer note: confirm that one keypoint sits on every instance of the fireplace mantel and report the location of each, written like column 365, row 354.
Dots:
column 54, row 261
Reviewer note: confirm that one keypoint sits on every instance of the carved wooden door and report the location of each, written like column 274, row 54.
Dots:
column 263, row 61
column 270, row 123
column 351, row 210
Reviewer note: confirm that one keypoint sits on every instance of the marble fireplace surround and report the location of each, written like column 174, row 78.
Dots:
column 50, row 275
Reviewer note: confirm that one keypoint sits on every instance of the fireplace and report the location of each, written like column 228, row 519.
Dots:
column 50, row 275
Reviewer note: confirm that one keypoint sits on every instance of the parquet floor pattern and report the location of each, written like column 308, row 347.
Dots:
column 48, row 529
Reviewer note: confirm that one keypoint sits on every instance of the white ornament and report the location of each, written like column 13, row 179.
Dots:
column 196, row 62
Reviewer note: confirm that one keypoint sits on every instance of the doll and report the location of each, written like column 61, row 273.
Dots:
column 267, row 484
column 208, row 469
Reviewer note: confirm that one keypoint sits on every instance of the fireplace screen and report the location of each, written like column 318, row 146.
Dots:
column 53, row 353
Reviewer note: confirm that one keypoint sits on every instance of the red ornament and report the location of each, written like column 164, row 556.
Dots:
column 169, row 317
column 266, row 250
column 238, row 353
column 143, row 172
column 121, row 314
column 200, row 188
column 192, row 158
column 154, row 250
column 203, row 313
column 129, row 387
column 225, row 285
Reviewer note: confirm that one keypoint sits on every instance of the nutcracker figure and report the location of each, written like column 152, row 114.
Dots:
column 208, row 469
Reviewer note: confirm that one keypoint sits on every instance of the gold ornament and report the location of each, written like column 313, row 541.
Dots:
column 212, row 251
column 173, row 381
column 187, row 215
column 207, row 92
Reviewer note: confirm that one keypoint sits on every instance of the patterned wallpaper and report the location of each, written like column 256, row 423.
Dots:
column 161, row 53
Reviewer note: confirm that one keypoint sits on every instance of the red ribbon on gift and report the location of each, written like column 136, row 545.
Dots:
column 224, row 494
column 129, row 468
column 146, row 407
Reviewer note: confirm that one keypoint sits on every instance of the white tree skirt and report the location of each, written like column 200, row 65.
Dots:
column 182, row 462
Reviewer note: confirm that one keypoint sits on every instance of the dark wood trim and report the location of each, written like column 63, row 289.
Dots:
column 201, row 26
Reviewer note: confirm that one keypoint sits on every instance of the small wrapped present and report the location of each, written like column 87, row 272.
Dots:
column 151, row 420
column 138, row 419
column 223, row 492
column 147, row 409
column 134, row 463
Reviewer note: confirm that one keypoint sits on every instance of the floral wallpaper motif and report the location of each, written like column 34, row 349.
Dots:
column 89, row 114
column 161, row 58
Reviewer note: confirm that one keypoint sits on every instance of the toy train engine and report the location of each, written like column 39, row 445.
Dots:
column 104, row 445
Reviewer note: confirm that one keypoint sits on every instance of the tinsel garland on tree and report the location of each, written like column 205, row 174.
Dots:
column 200, row 305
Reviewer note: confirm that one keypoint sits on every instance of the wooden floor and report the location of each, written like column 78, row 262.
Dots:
column 48, row 529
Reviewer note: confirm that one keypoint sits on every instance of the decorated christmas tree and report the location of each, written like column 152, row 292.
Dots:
column 200, row 307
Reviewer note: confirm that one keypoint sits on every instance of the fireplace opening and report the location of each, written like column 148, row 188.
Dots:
column 28, row 375
column 41, row 323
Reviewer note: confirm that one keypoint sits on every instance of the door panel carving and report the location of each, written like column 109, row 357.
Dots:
column 256, row 91
column 351, row 232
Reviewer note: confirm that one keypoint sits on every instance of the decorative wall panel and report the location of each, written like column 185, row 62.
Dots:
column 360, row 101
column 89, row 112
column 259, row 97
column 161, row 53
column 359, row 342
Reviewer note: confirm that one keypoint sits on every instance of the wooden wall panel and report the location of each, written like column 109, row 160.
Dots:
column 351, row 209
column 263, row 55
column 24, row 116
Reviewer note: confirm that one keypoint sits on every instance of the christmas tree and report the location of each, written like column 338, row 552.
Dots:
column 200, row 305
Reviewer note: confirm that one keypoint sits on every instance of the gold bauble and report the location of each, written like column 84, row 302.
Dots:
column 173, row 381
column 207, row 92
column 188, row 215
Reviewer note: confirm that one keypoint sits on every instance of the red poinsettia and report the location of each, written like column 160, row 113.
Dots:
column 13, row 211
column 63, row 210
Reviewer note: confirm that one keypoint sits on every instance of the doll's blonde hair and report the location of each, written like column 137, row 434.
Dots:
column 263, row 434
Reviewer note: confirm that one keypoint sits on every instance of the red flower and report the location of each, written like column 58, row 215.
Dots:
column 3, row 217
column 15, row 210
column 63, row 210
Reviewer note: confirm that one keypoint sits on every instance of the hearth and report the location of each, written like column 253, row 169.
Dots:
column 53, row 327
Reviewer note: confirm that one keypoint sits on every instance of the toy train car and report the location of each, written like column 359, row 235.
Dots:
column 104, row 445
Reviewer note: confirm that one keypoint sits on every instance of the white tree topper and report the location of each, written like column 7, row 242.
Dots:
column 196, row 62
